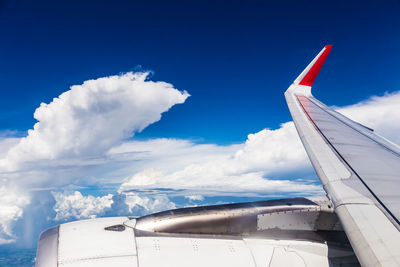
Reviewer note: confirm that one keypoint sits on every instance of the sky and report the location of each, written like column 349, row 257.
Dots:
column 131, row 107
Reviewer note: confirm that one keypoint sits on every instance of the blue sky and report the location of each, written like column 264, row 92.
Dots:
column 234, row 58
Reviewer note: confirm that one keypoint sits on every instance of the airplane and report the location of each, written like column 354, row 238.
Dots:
column 356, row 223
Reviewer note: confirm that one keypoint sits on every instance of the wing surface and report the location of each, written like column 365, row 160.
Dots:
column 359, row 170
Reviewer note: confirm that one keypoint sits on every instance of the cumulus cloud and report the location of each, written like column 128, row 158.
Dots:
column 76, row 128
column 73, row 205
column 272, row 151
column 149, row 204
column 91, row 118
column 77, row 206
column 11, row 203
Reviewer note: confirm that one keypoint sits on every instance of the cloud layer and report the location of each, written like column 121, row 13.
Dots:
column 77, row 127
column 243, row 170
column 75, row 206
column 83, row 139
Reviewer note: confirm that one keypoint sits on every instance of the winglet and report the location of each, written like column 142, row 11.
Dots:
column 307, row 77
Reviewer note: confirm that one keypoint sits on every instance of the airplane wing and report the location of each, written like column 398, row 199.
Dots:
column 359, row 170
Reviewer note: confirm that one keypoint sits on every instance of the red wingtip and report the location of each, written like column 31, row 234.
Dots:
column 312, row 73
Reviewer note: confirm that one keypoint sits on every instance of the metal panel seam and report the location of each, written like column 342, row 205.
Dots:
column 251, row 253
column 347, row 124
column 136, row 248
column 347, row 164
column 58, row 242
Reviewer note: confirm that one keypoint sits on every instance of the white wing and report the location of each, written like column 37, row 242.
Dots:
column 359, row 170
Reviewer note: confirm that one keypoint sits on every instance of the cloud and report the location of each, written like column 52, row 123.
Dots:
column 6, row 143
column 74, row 131
column 91, row 118
column 137, row 204
column 149, row 204
column 247, row 168
column 240, row 170
column 11, row 203
column 77, row 206
column 195, row 197
column 73, row 205
column 167, row 153
column 273, row 151
column 81, row 140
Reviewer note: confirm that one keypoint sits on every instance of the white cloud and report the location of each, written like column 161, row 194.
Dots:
column 76, row 206
column 242, row 170
column 91, row 118
column 149, row 204
column 208, row 180
column 6, row 143
column 195, row 197
column 168, row 154
column 73, row 205
column 267, row 150
column 272, row 151
column 11, row 203
column 77, row 129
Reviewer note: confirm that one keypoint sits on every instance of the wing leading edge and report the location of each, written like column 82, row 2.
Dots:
column 359, row 170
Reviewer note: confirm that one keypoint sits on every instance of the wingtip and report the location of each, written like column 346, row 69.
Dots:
column 308, row 76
